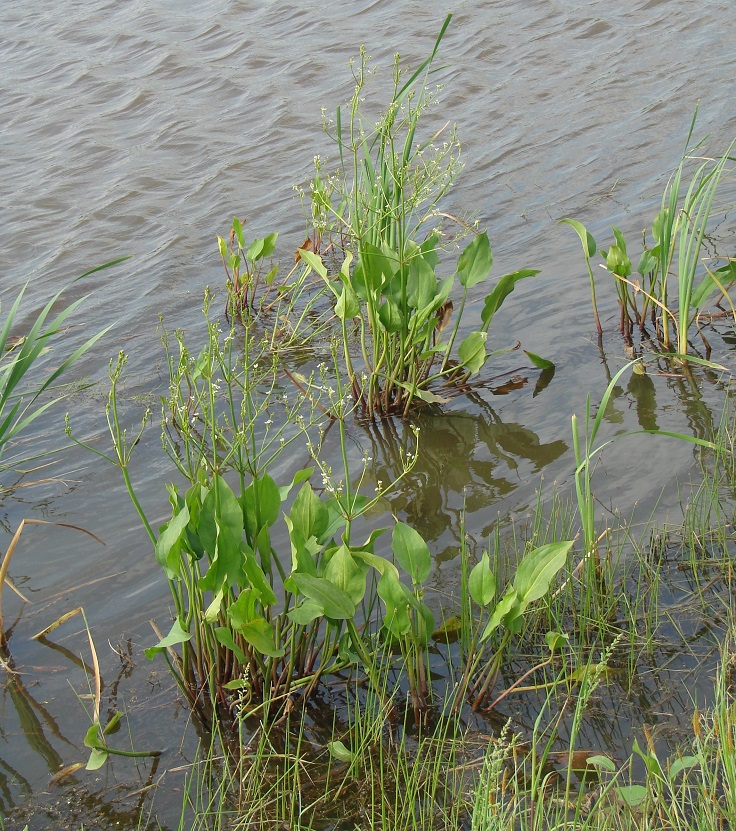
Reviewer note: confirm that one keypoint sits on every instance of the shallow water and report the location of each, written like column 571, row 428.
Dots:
column 141, row 129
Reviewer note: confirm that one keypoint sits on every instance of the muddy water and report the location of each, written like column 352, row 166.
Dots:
column 141, row 128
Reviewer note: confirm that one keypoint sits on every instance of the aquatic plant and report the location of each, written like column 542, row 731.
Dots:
column 364, row 769
column 400, row 356
column 485, row 613
column 275, row 586
column 674, row 255
column 19, row 355
column 244, row 267
column 393, row 304
column 374, row 224
column 20, row 391
column 389, row 181
column 232, row 638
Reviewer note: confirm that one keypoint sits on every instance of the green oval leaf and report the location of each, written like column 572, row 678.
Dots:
column 167, row 545
column 347, row 305
column 225, row 637
column 618, row 262
column 412, row 552
column 601, row 762
column 536, row 571
column 538, row 361
column 389, row 315
column 475, row 262
column 308, row 513
column 260, row 634
column 507, row 605
column 501, row 291
column 632, row 795
column 647, row 263
column 97, row 759
column 482, row 582
column 336, row 603
column 472, row 351
column 345, row 573
column 314, row 261
column 586, row 238
column 339, row 751
column 449, row 631
column 176, row 636
column 555, row 640
column 305, row 612
column 397, row 599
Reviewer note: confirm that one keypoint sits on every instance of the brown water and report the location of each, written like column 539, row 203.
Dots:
column 141, row 128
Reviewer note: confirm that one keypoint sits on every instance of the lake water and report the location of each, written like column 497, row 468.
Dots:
column 141, row 128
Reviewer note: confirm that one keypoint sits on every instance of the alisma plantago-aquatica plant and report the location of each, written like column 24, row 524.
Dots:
column 672, row 255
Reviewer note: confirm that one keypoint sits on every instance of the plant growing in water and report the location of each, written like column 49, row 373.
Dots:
column 259, row 617
column 272, row 593
column 19, row 391
column 394, row 307
column 21, row 395
column 675, row 254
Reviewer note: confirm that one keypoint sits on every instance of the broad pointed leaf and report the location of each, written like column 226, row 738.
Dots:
column 411, row 552
column 176, row 636
column 305, row 612
column 422, row 284
column 389, row 315
column 507, row 603
column 314, row 261
column 225, row 637
column 336, row 603
column 538, row 361
column 260, row 634
column 475, row 262
column 396, row 597
column 618, row 262
column 472, row 351
column 167, row 545
column 347, row 305
column 586, row 238
column 344, row 572
column 501, row 291
column 482, row 582
column 537, row 569
column 308, row 513
column 647, row 263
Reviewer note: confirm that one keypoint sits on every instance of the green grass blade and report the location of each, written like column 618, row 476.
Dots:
column 404, row 91
column 102, row 267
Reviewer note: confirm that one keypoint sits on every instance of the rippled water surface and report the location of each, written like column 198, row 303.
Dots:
column 142, row 127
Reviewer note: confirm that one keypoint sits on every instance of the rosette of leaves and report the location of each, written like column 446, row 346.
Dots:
column 232, row 633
